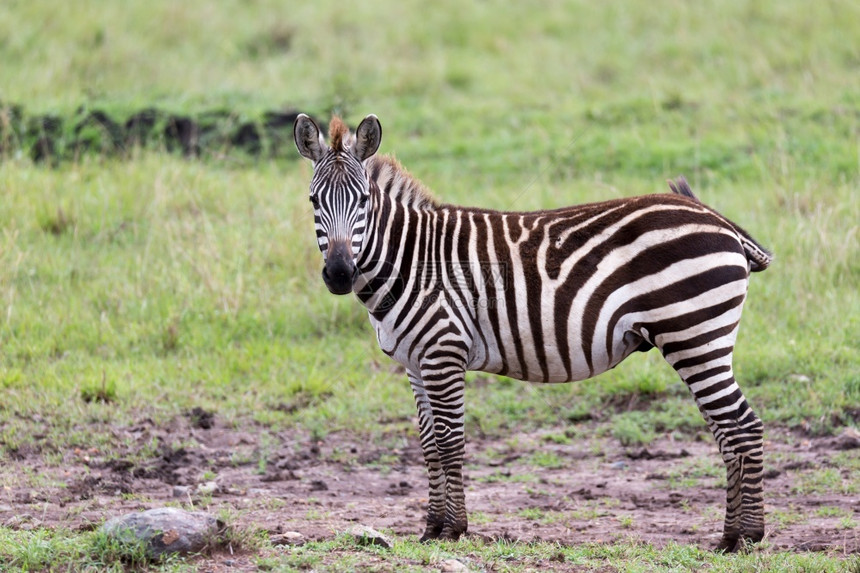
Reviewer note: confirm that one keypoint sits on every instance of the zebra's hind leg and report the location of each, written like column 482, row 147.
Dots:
column 741, row 447
column 739, row 435
column 436, row 476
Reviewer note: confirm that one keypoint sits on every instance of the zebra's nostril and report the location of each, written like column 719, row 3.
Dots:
column 339, row 277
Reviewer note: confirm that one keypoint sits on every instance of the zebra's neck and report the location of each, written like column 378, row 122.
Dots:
column 400, row 222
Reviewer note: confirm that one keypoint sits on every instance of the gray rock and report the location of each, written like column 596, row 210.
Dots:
column 368, row 536
column 165, row 530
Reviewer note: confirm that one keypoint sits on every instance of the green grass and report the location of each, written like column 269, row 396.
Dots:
column 142, row 288
column 828, row 480
column 44, row 550
column 47, row 549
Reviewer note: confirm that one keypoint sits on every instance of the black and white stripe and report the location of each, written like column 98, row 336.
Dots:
column 548, row 296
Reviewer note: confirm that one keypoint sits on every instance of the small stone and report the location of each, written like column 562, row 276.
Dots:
column 319, row 485
column 288, row 538
column 281, row 475
column 181, row 491
column 208, row 488
column 17, row 521
column 368, row 536
column 641, row 454
column 452, row 566
column 619, row 466
column 287, row 464
column 257, row 492
column 848, row 440
column 164, row 530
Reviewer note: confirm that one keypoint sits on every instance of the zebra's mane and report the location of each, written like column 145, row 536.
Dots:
column 398, row 183
column 338, row 134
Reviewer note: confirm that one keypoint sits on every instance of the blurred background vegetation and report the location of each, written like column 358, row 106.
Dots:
column 145, row 283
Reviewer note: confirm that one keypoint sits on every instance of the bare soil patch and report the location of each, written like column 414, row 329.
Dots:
column 527, row 488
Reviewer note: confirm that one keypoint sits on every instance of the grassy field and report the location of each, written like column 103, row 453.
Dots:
column 145, row 287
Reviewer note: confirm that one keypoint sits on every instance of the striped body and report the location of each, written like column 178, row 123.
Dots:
column 549, row 296
column 554, row 296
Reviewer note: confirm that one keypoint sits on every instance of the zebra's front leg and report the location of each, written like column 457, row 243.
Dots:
column 443, row 384
column 436, row 506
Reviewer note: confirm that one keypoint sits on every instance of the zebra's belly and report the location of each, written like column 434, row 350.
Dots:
column 522, row 355
column 548, row 365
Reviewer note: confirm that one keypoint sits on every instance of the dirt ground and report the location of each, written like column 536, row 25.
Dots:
column 529, row 488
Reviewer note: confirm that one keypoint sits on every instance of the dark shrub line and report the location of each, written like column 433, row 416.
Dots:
column 50, row 139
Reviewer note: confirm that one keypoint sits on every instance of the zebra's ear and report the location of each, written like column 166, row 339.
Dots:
column 309, row 140
column 368, row 136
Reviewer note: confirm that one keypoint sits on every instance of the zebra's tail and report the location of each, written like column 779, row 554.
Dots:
column 680, row 187
column 758, row 257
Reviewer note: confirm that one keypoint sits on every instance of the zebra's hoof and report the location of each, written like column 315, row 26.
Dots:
column 451, row 532
column 433, row 531
column 737, row 544
column 728, row 545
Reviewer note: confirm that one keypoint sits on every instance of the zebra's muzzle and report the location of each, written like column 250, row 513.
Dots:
column 339, row 272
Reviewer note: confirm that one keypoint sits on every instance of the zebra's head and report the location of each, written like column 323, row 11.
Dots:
column 339, row 192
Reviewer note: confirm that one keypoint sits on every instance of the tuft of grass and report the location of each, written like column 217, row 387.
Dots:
column 626, row 521
column 632, row 429
column 107, row 550
column 235, row 537
column 58, row 222
column 104, row 392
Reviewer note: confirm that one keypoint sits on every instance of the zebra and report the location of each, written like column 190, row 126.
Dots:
column 546, row 296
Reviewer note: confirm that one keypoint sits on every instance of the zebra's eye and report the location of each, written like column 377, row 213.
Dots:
column 363, row 201
column 315, row 201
